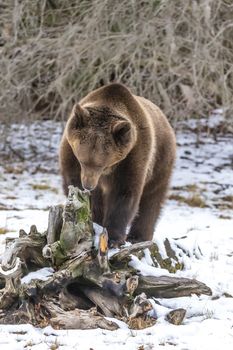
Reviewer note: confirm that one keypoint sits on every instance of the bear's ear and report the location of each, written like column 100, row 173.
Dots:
column 121, row 132
column 81, row 116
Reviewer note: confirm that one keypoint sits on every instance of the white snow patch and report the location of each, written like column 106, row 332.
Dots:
column 41, row 274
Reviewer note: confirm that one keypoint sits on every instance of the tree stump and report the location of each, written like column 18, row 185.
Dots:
column 87, row 282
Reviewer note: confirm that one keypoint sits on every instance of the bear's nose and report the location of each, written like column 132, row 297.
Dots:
column 89, row 181
column 87, row 184
column 88, row 187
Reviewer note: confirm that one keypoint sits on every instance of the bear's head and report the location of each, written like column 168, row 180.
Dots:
column 99, row 139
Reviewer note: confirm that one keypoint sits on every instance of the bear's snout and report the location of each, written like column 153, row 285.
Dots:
column 88, row 187
column 89, row 182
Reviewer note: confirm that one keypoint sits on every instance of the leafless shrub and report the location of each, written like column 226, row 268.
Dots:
column 177, row 53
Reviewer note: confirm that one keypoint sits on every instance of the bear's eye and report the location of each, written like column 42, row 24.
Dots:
column 82, row 139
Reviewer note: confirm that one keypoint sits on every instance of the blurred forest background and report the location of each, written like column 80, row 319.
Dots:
column 178, row 53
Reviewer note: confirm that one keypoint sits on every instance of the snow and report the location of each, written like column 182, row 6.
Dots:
column 201, row 237
column 146, row 270
column 41, row 274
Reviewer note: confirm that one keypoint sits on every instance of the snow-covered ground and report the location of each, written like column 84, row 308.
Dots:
column 198, row 218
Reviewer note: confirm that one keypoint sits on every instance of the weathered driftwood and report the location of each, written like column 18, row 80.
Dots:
column 88, row 283
column 28, row 247
column 78, row 319
column 126, row 252
column 54, row 224
column 171, row 287
column 12, row 281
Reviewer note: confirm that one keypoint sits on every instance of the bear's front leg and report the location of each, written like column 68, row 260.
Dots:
column 120, row 210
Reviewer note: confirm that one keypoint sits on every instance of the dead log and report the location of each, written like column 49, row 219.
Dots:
column 171, row 287
column 80, row 319
column 125, row 253
column 89, row 282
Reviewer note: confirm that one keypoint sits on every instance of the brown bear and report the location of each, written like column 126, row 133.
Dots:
column 120, row 147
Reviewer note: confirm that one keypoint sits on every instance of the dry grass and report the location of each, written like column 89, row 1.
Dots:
column 177, row 53
column 3, row 230
column 224, row 217
column 194, row 200
column 228, row 198
column 44, row 187
column 224, row 203
column 141, row 322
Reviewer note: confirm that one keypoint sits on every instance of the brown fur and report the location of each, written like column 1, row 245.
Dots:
column 122, row 147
